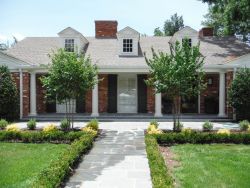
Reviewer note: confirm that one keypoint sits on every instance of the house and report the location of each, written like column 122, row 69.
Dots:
column 119, row 56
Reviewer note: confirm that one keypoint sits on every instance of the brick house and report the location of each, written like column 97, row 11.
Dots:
column 119, row 56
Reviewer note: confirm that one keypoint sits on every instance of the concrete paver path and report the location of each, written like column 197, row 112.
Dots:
column 118, row 159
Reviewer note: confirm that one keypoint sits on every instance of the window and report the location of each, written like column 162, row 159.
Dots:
column 189, row 42
column 69, row 45
column 127, row 45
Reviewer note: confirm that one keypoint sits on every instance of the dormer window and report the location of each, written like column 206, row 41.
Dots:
column 127, row 45
column 69, row 45
column 189, row 42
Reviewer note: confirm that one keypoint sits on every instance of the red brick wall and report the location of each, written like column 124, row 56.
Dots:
column 16, row 78
column 211, row 90
column 88, row 102
column 206, row 31
column 229, row 79
column 26, row 94
column 103, row 93
column 40, row 95
column 105, row 29
column 150, row 100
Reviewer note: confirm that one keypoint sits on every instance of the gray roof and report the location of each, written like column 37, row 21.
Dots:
column 104, row 52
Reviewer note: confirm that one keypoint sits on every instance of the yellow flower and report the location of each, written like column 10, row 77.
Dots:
column 13, row 128
column 223, row 131
column 153, row 130
column 50, row 128
column 89, row 130
column 186, row 130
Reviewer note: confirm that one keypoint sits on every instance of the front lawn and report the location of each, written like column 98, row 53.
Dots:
column 216, row 165
column 21, row 162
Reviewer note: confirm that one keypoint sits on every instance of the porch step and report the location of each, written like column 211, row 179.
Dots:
column 129, row 117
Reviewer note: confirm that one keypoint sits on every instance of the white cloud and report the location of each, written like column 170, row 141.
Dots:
column 3, row 38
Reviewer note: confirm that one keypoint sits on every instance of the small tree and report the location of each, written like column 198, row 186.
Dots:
column 179, row 74
column 70, row 76
column 239, row 94
column 9, row 98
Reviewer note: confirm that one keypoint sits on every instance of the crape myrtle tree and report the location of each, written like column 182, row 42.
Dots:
column 179, row 74
column 9, row 97
column 69, row 77
column 239, row 94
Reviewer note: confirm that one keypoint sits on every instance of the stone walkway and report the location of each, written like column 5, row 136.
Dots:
column 118, row 159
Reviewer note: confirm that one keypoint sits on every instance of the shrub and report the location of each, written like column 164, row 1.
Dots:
column 155, row 123
column 89, row 130
column 187, row 130
column 9, row 100
column 12, row 128
column 50, row 128
column 207, row 126
column 3, row 124
column 244, row 125
column 31, row 125
column 158, row 169
column 223, row 131
column 57, row 170
column 179, row 126
column 65, row 124
column 93, row 124
column 152, row 129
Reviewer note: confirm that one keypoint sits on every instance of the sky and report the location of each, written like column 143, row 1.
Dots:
column 29, row 18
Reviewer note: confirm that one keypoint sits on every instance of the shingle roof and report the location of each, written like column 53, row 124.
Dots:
column 104, row 52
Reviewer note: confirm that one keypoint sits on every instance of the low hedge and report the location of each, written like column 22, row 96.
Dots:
column 202, row 138
column 40, row 136
column 56, row 172
column 159, row 173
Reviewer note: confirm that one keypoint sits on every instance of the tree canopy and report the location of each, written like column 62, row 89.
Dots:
column 172, row 25
column 228, row 17
column 239, row 93
column 178, row 74
column 9, row 97
column 70, row 76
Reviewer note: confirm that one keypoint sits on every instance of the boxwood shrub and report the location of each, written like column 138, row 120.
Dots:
column 55, row 173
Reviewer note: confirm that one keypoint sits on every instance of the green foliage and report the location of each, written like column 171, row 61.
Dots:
column 31, row 125
column 244, row 125
column 3, row 124
column 207, row 126
column 179, row 74
column 228, row 17
column 159, row 173
column 40, row 136
column 155, row 123
column 58, row 169
column 9, row 98
column 70, row 76
column 174, row 24
column 93, row 124
column 239, row 94
column 65, row 124
column 202, row 138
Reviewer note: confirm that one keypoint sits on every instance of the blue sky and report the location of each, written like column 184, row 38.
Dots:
column 47, row 17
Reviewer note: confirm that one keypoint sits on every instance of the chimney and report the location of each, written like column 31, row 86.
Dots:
column 105, row 28
column 206, row 32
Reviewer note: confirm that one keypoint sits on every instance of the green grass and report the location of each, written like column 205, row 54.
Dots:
column 20, row 162
column 216, row 165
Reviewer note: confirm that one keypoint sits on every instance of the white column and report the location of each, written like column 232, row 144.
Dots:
column 33, row 94
column 21, row 92
column 158, row 105
column 222, row 95
column 199, row 103
column 95, row 101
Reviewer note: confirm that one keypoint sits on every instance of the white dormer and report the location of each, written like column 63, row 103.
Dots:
column 187, row 32
column 128, row 40
column 72, row 40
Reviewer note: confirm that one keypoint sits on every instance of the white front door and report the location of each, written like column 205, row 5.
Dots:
column 61, row 108
column 127, row 93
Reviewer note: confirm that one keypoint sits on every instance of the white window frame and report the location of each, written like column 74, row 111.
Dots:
column 69, row 45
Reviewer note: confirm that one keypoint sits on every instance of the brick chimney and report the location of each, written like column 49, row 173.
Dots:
column 105, row 28
column 206, row 32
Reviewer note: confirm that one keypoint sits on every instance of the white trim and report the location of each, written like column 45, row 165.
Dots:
column 158, row 103
column 222, row 95
column 95, row 101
